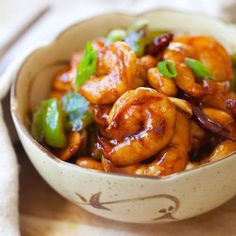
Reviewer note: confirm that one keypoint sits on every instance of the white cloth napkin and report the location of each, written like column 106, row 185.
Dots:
column 8, row 178
column 13, row 14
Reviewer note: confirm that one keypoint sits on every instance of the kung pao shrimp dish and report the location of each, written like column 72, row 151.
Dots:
column 141, row 102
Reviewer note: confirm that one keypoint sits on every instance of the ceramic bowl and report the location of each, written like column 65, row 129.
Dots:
column 119, row 197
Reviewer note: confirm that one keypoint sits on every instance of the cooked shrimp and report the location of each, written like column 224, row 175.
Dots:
column 225, row 148
column 222, row 118
column 218, row 94
column 231, row 105
column 186, row 81
column 75, row 60
column 89, row 163
column 148, row 62
column 177, row 51
column 109, row 167
column 161, row 83
column 214, row 56
column 100, row 114
column 173, row 158
column 143, row 64
column 98, row 44
column 115, row 74
column 208, row 51
column 62, row 81
column 148, row 131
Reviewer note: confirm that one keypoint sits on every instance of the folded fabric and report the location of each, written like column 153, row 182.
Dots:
column 8, row 184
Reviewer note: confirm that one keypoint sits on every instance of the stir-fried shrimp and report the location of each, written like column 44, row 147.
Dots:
column 109, row 167
column 62, row 81
column 99, row 44
column 115, row 74
column 161, row 83
column 208, row 51
column 147, row 62
column 143, row 64
column 174, row 157
column 101, row 113
column 141, row 103
column 153, row 126
column 231, row 105
column 213, row 56
column 219, row 92
column 205, row 49
column 186, row 81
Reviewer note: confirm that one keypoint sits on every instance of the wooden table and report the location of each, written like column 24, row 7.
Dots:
column 44, row 213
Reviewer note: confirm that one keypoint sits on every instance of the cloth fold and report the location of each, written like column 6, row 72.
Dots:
column 8, row 184
column 58, row 19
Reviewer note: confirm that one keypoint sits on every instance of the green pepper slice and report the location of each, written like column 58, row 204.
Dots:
column 53, row 128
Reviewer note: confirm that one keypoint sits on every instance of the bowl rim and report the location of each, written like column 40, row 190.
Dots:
column 16, row 119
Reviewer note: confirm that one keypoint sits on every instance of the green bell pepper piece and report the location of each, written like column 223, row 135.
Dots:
column 53, row 121
column 37, row 125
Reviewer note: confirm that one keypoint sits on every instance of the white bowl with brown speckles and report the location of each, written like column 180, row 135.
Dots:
column 118, row 197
